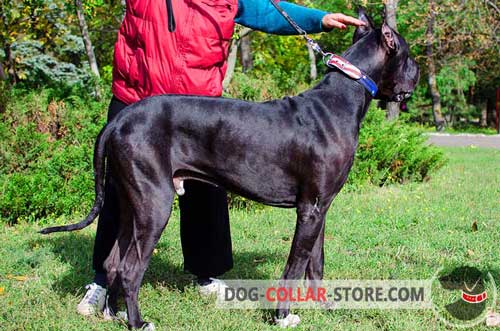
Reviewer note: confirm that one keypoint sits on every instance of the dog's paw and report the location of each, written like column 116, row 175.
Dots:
column 290, row 321
column 109, row 315
column 148, row 327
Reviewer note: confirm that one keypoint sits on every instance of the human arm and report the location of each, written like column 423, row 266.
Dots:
column 261, row 15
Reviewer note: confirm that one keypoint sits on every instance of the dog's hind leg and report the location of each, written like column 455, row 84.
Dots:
column 152, row 206
column 115, row 256
column 111, row 266
column 308, row 232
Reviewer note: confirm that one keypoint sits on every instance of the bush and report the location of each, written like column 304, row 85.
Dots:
column 47, row 139
column 392, row 152
column 46, row 154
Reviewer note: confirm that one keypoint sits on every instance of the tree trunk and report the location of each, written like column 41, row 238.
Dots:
column 390, row 13
column 88, row 43
column 124, row 8
column 233, row 55
column 484, row 114
column 313, row 73
column 11, row 64
column 390, row 18
column 246, row 53
column 393, row 110
column 3, row 76
column 431, row 67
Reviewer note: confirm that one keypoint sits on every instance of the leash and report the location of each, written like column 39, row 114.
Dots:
column 332, row 60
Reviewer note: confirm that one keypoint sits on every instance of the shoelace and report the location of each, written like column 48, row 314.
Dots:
column 92, row 294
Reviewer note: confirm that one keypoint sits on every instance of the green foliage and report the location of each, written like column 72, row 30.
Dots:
column 285, row 59
column 36, row 68
column 466, row 52
column 46, row 155
column 256, row 86
column 392, row 152
column 454, row 81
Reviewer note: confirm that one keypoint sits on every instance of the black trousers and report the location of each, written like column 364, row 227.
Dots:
column 205, row 231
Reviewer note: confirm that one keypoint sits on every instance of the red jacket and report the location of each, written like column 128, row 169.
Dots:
column 150, row 60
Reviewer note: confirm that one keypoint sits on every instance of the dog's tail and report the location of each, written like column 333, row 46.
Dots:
column 99, row 171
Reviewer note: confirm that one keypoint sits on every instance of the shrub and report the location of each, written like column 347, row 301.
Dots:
column 46, row 154
column 37, row 68
column 392, row 152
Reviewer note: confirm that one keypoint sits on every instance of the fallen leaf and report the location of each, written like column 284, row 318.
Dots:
column 18, row 278
column 2, row 290
column 474, row 226
column 470, row 252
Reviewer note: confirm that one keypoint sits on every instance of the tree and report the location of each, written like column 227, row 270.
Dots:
column 431, row 69
column 2, row 72
column 246, row 53
column 390, row 19
column 88, row 43
column 312, row 60
column 233, row 56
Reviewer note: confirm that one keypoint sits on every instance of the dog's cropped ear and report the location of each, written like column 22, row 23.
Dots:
column 389, row 39
column 361, row 31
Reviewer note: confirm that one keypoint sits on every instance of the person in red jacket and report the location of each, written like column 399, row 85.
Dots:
column 153, row 55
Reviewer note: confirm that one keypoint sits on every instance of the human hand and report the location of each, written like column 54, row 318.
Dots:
column 340, row 21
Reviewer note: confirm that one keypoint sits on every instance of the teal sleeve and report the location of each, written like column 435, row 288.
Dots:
column 261, row 15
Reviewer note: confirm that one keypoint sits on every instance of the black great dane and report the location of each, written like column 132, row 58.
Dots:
column 294, row 153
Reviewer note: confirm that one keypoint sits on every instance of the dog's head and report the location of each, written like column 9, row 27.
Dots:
column 400, row 72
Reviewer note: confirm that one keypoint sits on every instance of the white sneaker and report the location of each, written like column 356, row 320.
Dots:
column 93, row 301
column 216, row 286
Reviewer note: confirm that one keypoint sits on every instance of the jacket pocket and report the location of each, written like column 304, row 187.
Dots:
column 211, row 30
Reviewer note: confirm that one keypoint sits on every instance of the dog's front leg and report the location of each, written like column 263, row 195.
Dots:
column 314, row 269
column 308, row 232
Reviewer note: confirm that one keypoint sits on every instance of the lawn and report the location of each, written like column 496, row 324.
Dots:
column 397, row 232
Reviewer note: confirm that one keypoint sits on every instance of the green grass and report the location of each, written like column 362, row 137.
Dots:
column 402, row 232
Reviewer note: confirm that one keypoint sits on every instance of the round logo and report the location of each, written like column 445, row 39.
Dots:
column 462, row 296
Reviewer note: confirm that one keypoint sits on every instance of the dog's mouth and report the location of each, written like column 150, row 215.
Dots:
column 398, row 97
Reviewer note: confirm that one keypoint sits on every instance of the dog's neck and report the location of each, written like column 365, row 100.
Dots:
column 368, row 56
column 371, row 59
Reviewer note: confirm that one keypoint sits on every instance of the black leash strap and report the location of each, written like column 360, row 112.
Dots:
column 171, row 18
column 315, row 46
column 289, row 19
column 331, row 60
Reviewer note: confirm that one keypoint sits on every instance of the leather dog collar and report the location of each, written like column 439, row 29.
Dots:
column 338, row 62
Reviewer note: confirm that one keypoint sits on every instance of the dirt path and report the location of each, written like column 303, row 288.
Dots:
column 458, row 140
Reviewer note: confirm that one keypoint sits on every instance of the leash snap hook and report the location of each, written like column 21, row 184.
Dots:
column 326, row 58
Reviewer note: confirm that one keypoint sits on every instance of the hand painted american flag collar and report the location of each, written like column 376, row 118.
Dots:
column 337, row 62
